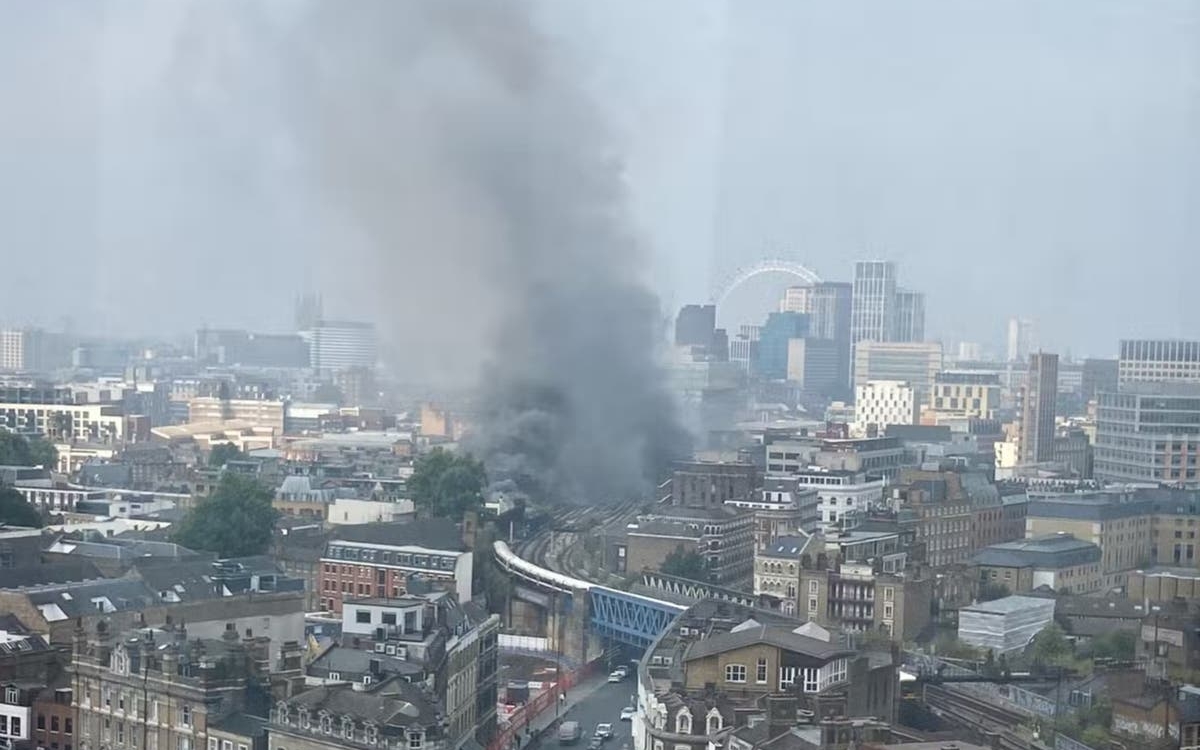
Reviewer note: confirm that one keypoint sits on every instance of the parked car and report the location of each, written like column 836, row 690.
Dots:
column 604, row 731
column 627, row 713
column 624, row 670
column 616, row 676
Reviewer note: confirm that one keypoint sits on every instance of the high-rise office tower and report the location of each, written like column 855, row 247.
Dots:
column 695, row 325
column 908, row 317
column 828, row 305
column 774, row 341
column 1158, row 360
column 20, row 349
column 874, row 297
column 1038, row 397
column 341, row 344
column 308, row 311
column 1020, row 339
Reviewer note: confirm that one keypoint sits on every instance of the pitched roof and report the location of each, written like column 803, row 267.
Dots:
column 393, row 703
column 433, row 533
column 774, row 635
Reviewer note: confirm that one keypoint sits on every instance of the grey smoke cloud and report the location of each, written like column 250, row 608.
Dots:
column 484, row 215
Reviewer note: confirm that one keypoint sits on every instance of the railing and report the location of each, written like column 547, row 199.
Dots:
column 1063, row 742
column 523, row 717
column 1009, row 696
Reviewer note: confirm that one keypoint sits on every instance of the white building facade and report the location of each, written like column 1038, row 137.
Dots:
column 880, row 403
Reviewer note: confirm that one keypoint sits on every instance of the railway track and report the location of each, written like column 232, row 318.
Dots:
column 552, row 548
column 979, row 714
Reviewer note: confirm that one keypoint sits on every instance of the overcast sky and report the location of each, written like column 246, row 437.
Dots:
column 1015, row 158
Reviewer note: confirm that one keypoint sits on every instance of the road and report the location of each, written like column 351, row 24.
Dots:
column 604, row 705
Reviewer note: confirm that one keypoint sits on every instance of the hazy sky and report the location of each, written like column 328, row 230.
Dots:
column 1015, row 158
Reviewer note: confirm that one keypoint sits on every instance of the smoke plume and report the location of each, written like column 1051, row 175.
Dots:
column 483, row 211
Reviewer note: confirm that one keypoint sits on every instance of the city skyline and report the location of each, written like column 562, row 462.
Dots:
column 131, row 174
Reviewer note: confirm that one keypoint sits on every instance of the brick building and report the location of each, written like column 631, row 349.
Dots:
column 377, row 560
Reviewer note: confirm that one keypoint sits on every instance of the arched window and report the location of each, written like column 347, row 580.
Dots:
column 348, row 727
column 714, row 721
column 305, row 722
column 683, row 722
column 372, row 734
column 281, row 712
column 326, row 723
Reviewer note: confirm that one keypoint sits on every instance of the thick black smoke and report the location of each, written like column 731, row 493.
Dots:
column 494, row 230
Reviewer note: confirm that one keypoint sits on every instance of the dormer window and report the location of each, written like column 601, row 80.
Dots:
column 683, row 722
column 372, row 734
column 305, row 719
column 11, row 695
column 327, row 724
column 281, row 712
column 348, row 727
column 714, row 721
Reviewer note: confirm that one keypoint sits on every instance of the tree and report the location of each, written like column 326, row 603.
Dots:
column 989, row 591
column 684, row 564
column 223, row 453
column 1116, row 644
column 446, row 485
column 17, row 450
column 15, row 510
column 1050, row 646
column 236, row 520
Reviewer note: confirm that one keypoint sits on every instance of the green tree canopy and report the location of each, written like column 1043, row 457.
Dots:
column 17, row 450
column 1115, row 644
column 234, row 521
column 684, row 564
column 1051, row 646
column 15, row 510
column 447, row 485
column 223, row 453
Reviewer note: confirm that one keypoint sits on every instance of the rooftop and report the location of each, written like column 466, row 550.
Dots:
column 1008, row 605
column 435, row 533
column 1052, row 550
column 774, row 635
column 791, row 547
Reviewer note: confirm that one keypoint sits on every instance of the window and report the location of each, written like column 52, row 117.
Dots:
column 812, row 604
column 54, row 723
column 121, row 701
column 812, row 680
column 41, row 721
column 226, row 745
column 107, row 694
column 3, row 724
column 389, row 618
column 212, row 743
column 68, row 725
column 185, row 715
column 714, row 721
column 183, row 743
column 760, row 674
column 327, row 725
column 416, row 740
column 107, row 733
column 120, row 733
column 735, row 672
column 153, row 712
column 889, row 593
column 683, row 722
column 887, row 611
